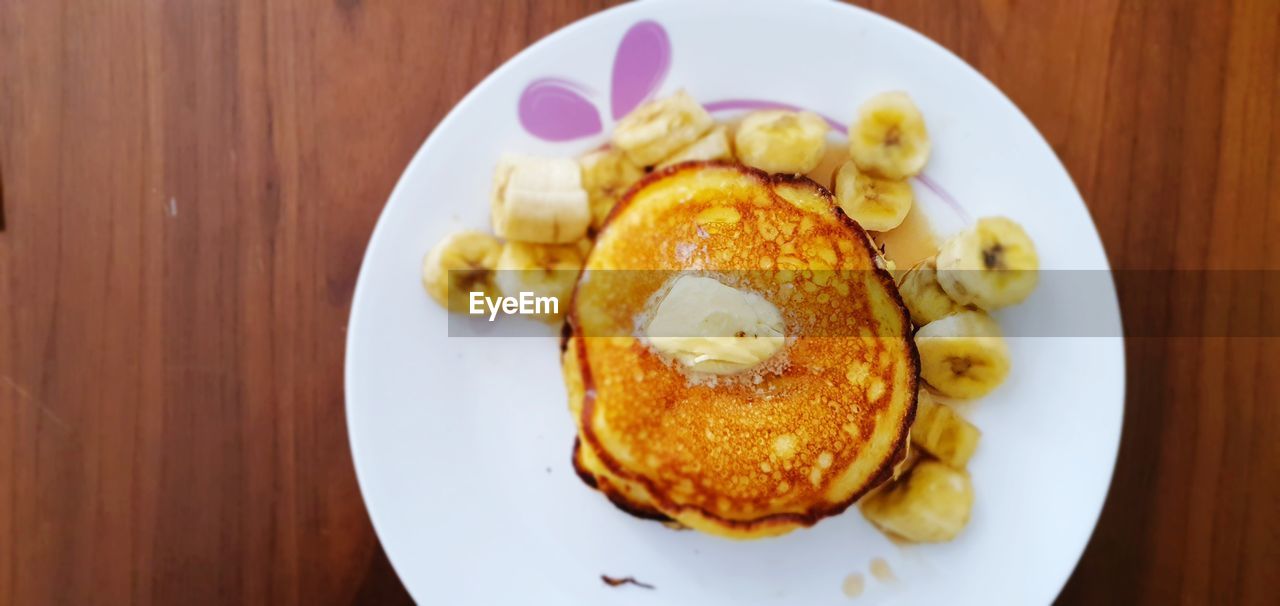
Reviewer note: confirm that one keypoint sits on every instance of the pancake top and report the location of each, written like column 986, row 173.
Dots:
column 802, row 436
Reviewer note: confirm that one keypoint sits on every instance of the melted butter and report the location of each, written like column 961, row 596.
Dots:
column 711, row 327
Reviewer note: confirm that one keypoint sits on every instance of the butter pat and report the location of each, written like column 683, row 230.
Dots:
column 707, row 326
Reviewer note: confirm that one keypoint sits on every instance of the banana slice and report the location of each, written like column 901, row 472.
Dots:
column 660, row 127
column 930, row 505
column 908, row 461
column 943, row 433
column 925, row 299
column 991, row 265
column 876, row 204
column 545, row 270
column 963, row 355
column 607, row 174
column 889, row 139
column 539, row 200
column 470, row 258
column 780, row 141
column 712, row 146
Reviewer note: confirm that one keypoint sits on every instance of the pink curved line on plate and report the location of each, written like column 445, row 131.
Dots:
column 732, row 104
column 946, row 196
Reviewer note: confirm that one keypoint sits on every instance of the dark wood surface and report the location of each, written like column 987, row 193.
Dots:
column 189, row 185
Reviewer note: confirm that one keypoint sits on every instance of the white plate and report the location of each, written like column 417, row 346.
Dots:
column 462, row 446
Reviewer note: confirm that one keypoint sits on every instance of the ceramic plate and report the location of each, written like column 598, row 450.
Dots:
column 462, row 445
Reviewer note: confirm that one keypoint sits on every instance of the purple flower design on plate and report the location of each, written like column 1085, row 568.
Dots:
column 555, row 109
column 639, row 67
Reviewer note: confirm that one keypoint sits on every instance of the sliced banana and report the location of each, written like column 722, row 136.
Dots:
column 660, row 127
column 991, row 265
column 930, row 505
column 908, row 461
column 606, row 175
column 460, row 263
column 712, row 146
column 876, row 204
column 781, row 141
column 544, row 270
column 539, row 200
column 963, row 355
column 943, row 433
column 925, row 299
column 889, row 138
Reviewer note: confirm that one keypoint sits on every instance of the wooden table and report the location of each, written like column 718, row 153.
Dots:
column 189, row 185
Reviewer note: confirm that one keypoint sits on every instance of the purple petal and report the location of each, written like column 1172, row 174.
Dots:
column 643, row 58
column 555, row 110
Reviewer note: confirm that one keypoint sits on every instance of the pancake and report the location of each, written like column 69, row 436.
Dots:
column 629, row 496
column 775, row 450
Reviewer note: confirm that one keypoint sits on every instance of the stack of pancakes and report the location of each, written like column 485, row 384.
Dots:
column 774, row 449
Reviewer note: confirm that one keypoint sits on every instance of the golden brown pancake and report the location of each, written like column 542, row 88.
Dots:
column 771, row 451
column 629, row 496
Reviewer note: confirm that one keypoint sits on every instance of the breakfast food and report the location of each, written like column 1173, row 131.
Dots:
column 628, row 495
column 661, row 127
column 923, row 295
column 712, row 146
column 876, row 204
column 781, row 141
column 889, row 139
column 539, row 200
column 931, row 504
column 991, row 265
column 546, row 270
column 706, row 326
column 908, row 461
column 750, row 450
column 460, row 263
column 606, row 175
column 737, row 358
column 940, row 431
column 963, row 355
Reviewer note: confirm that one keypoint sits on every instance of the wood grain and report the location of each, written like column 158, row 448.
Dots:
column 188, row 188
